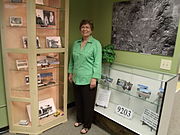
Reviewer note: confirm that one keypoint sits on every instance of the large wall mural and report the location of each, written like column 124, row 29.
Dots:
column 146, row 26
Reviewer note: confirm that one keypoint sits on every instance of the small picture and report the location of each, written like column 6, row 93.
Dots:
column 16, row 21
column 25, row 42
column 46, row 108
column 45, row 18
column 16, row 1
column 22, row 64
column 121, row 83
column 49, row 17
column 39, row 17
column 40, row 2
column 53, row 42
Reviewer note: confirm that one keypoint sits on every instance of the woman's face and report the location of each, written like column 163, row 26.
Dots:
column 86, row 30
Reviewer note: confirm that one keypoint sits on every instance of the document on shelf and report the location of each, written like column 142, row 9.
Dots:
column 102, row 98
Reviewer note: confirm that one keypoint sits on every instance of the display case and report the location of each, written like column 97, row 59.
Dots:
column 137, row 99
column 35, row 50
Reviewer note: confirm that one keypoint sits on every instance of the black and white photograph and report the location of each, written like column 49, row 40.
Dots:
column 16, row 1
column 39, row 17
column 45, row 18
column 25, row 42
column 53, row 42
column 146, row 26
column 16, row 21
column 49, row 16
column 46, row 108
column 22, row 64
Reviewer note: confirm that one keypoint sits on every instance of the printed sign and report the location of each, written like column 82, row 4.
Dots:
column 123, row 111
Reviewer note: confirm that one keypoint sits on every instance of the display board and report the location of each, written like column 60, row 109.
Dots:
column 146, row 26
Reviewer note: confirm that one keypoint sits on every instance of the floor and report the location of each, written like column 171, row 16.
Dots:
column 69, row 129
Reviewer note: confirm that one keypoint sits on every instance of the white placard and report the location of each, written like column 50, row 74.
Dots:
column 46, row 108
column 102, row 98
column 123, row 111
column 150, row 118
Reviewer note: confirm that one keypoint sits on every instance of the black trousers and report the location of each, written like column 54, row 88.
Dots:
column 85, row 100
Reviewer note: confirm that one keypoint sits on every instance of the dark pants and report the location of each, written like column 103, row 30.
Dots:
column 85, row 100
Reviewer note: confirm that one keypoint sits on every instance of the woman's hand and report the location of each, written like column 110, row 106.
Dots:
column 93, row 83
column 70, row 77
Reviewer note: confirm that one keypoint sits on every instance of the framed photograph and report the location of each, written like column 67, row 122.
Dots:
column 22, row 64
column 25, row 42
column 16, row 21
column 53, row 42
column 39, row 17
column 41, row 2
column 16, row 1
column 121, row 83
column 49, row 17
column 46, row 108
column 45, row 18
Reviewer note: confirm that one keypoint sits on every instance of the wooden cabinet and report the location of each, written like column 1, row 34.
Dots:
column 35, row 50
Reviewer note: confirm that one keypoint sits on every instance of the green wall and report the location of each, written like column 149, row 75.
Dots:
column 100, row 11
column 3, row 109
column 78, row 10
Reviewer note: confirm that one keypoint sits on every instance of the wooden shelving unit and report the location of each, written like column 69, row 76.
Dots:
column 35, row 62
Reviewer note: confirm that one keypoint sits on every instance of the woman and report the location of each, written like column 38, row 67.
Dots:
column 84, row 71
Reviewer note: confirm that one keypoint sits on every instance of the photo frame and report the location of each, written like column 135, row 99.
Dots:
column 46, row 108
column 16, row 21
column 45, row 18
column 22, row 64
column 53, row 42
column 25, row 42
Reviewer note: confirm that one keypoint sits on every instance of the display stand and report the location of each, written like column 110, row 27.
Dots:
column 141, row 100
column 35, row 50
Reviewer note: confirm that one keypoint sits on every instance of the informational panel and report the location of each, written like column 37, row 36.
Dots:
column 146, row 26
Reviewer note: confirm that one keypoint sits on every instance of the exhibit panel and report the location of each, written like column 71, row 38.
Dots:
column 35, row 51
column 136, row 98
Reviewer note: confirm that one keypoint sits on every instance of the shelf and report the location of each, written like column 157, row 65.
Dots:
column 19, row 99
column 154, row 75
column 47, row 28
column 49, row 50
column 131, row 94
column 39, row 68
column 26, row 87
column 20, row 27
column 47, row 6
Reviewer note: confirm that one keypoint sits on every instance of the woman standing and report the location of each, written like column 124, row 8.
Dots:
column 84, row 71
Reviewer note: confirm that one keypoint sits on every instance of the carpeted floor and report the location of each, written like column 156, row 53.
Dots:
column 69, row 129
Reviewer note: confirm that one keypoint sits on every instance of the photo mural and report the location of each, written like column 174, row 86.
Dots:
column 146, row 26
